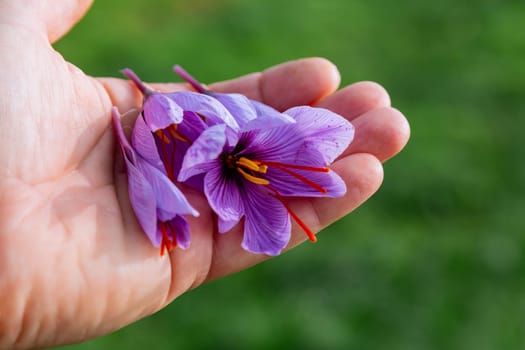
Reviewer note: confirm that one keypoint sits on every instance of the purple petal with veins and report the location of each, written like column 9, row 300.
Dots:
column 159, row 111
column 208, row 107
column 267, row 226
column 203, row 154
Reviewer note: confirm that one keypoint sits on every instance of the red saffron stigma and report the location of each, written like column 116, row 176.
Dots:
column 299, row 222
column 166, row 243
column 285, row 168
column 164, row 140
column 301, row 167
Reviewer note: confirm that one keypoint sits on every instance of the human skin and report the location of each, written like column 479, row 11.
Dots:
column 74, row 263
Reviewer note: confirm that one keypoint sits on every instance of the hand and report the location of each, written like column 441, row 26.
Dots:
column 74, row 263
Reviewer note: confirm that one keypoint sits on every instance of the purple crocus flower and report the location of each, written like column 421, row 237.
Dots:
column 158, row 204
column 176, row 119
column 251, row 174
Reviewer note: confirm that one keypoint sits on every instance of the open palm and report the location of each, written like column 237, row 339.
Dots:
column 74, row 263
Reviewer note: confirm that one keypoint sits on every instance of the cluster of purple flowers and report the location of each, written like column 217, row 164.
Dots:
column 245, row 156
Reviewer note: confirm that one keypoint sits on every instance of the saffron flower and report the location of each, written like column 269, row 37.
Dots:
column 158, row 204
column 245, row 156
column 176, row 119
column 250, row 175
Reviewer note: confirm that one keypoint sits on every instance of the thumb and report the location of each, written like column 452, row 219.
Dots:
column 60, row 15
column 54, row 17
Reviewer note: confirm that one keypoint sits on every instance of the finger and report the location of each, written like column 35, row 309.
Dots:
column 379, row 130
column 356, row 99
column 382, row 132
column 53, row 17
column 60, row 16
column 362, row 174
column 122, row 93
column 301, row 82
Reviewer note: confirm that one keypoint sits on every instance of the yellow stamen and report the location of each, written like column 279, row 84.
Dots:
column 254, row 179
column 252, row 165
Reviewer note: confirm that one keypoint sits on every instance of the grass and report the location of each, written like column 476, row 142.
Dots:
column 436, row 259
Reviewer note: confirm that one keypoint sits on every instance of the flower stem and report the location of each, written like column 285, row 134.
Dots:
column 136, row 80
column 189, row 79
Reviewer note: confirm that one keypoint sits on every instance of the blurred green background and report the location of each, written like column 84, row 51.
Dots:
column 436, row 259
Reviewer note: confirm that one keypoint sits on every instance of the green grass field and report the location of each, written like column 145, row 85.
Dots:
column 436, row 259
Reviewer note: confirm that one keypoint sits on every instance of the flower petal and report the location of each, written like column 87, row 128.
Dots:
column 279, row 144
column 169, row 199
column 238, row 105
column 143, row 201
column 226, row 225
column 160, row 111
column 207, row 106
column 251, row 114
column 190, row 129
column 191, row 126
column 180, row 226
column 203, row 154
column 267, row 117
column 143, row 142
column 224, row 195
column 323, row 130
column 267, row 226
